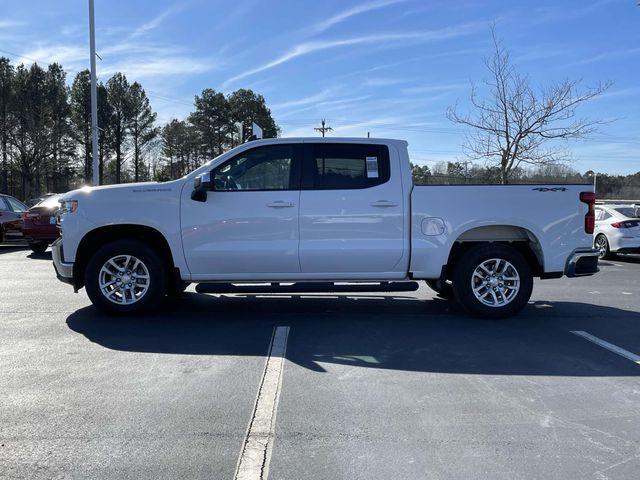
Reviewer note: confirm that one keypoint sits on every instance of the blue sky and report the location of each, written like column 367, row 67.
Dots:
column 389, row 67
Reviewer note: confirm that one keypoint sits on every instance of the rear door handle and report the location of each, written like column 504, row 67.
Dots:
column 384, row 203
column 280, row 204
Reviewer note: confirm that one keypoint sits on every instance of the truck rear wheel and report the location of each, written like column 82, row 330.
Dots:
column 492, row 281
column 126, row 276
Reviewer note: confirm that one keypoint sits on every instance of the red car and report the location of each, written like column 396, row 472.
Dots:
column 39, row 226
column 11, row 210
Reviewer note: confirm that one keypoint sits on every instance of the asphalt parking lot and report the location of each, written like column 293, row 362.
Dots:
column 373, row 386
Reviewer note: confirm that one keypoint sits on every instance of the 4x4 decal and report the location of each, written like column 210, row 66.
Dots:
column 550, row 189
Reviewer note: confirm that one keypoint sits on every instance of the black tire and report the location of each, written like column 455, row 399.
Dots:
column 602, row 244
column 157, row 288
column 472, row 259
column 442, row 290
column 39, row 247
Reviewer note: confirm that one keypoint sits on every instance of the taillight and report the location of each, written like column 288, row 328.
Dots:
column 590, row 218
column 626, row 224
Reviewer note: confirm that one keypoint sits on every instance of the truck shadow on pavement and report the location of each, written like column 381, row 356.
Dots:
column 385, row 332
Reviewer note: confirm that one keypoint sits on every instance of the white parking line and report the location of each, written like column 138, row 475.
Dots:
column 253, row 463
column 609, row 346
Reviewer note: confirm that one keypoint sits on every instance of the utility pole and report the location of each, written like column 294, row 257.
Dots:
column 94, row 95
column 322, row 129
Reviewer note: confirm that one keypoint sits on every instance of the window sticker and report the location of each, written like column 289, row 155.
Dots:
column 372, row 167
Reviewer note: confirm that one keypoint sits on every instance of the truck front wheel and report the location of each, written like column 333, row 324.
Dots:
column 492, row 281
column 125, row 276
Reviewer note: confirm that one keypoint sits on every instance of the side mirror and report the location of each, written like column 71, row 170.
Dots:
column 201, row 185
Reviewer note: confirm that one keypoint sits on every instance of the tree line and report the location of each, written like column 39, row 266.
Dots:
column 625, row 187
column 45, row 130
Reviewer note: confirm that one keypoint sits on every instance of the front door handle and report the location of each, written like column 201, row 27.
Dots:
column 384, row 203
column 280, row 204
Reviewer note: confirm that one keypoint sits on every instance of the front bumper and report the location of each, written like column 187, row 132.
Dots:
column 582, row 263
column 64, row 270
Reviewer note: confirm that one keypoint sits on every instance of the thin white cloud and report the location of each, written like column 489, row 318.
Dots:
column 310, row 99
column 352, row 12
column 622, row 92
column 138, row 68
column 612, row 55
column 386, row 81
column 66, row 55
column 433, row 88
column 320, row 45
column 11, row 23
column 139, row 60
column 541, row 52
column 326, row 107
column 157, row 20
column 560, row 12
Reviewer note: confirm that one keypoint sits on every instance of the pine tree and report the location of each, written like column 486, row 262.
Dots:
column 6, row 79
column 142, row 128
column 212, row 121
column 248, row 107
column 80, row 103
column 57, row 163
column 119, row 99
column 104, row 123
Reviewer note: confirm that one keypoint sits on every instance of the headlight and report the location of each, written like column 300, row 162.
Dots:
column 68, row 206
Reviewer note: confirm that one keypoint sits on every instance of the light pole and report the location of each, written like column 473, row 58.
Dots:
column 595, row 180
column 94, row 96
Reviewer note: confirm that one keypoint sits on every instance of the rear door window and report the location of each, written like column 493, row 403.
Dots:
column 344, row 166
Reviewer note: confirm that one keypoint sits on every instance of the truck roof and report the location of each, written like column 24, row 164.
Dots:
column 328, row 140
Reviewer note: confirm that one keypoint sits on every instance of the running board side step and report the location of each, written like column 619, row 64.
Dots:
column 304, row 287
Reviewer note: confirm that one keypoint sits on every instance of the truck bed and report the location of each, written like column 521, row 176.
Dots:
column 549, row 216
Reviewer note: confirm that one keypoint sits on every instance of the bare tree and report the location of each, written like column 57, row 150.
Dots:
column 517, row 124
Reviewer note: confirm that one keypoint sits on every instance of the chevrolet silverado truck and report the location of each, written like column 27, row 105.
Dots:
column 328, row 211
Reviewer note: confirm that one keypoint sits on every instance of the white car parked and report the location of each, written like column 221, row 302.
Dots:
column 617, row 229
column 299, row 210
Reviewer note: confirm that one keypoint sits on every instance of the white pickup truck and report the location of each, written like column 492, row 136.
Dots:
column 322, row 210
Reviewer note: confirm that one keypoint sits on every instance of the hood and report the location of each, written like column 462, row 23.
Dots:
column 99, row 191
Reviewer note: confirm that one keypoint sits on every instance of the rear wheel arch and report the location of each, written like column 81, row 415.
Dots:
column 517, row 237
column 97, row 238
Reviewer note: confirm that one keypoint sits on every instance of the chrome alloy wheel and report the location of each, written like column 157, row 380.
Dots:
column 124, row 279
column 495, row 282
column 601, row 245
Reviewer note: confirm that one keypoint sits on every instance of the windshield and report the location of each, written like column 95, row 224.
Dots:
column 631, row 212
column 50, row 202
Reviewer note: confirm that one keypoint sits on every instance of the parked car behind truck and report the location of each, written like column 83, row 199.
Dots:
column 617, row 229
column 322, row 210
column 40, row 227
column 11, row 210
